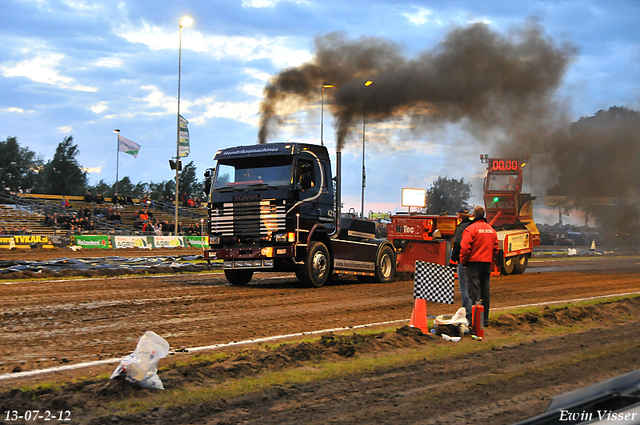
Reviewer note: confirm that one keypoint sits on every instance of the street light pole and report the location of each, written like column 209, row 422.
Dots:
column 184, row 22
column 117, row 131
column 325, row 85
column 364, row 174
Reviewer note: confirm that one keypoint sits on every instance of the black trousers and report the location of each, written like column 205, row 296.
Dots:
column 478, row 275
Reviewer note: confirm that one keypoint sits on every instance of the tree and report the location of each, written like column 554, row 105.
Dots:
column 63, row 175
column 188, row 182
column 448, row 195
column 18, row 166
column 165, row 188
column 103, row 188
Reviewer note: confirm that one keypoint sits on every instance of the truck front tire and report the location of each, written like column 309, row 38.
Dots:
column 238, row 277
column 316, row 269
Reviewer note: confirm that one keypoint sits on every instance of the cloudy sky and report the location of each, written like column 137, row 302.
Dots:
column 85, row 68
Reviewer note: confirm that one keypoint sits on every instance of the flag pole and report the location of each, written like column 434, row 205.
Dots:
column 117, row 131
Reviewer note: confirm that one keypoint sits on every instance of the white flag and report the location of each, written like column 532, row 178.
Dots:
column 127, row 146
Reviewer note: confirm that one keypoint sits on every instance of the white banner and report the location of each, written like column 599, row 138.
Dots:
column 168, row 241
column 130, row 242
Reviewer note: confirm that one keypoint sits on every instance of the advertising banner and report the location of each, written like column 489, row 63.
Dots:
column 131, row 242
column 168, row 241
column 92, row 241
column 198, row 241
column 25, row 241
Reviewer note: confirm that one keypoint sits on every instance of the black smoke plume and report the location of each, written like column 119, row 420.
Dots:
column 475, row 76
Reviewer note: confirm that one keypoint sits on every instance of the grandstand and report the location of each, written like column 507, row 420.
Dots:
column 26, row 213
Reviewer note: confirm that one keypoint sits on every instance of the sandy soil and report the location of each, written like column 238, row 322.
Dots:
column 63, row 322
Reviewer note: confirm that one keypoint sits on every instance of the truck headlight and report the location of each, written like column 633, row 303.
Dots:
column 214, row 240
column 280, row 237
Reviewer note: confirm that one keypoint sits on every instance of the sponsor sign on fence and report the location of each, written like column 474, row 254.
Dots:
column 131, row 242
column 92, row 241
column 168, row 241
column 24, row 241
column 197, row 241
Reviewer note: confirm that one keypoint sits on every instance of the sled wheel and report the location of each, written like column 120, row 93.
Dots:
column 238, row 277
column 520, row 264
column 508, row 264
column 316, row 269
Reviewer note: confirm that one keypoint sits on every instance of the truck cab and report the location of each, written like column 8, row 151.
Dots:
column 273, row 208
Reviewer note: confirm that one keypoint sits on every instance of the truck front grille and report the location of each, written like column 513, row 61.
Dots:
column 248, row 219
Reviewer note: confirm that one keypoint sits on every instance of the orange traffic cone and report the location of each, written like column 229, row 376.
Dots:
column 419, row 315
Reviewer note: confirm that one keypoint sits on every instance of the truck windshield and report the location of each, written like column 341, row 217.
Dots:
column 502, row 181
column 271, row 171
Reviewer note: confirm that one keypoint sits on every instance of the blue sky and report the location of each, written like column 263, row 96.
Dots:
column 85, row 68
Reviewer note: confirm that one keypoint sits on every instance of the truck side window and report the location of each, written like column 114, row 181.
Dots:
column 305, row 175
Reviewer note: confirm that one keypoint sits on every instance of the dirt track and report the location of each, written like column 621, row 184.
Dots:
column 63, row 322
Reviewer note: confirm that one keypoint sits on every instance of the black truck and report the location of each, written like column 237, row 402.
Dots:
column 275, row 207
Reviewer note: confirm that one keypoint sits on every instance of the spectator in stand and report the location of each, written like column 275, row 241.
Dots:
column 184, row 199
column 89, row 226
column 97, row 212
column 2, row 231
column 99, row 199
column 64, row 202
column 88, row 197
column 198, row 203
column 48, row 221
column 190, row 202
column 25, row 230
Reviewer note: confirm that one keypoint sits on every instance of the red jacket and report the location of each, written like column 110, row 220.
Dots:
column 479, row 243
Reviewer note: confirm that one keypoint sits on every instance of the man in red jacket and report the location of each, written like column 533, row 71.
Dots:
column 479, row 245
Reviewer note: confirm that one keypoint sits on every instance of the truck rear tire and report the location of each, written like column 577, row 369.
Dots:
column 238, row 277
column 316, row 269
column 521, row 262
column 508, row 264
column 386, row 265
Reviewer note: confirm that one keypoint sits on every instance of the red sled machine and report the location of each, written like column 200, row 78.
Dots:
column 423, row 237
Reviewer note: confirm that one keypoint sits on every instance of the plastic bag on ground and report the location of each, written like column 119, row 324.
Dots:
column 141, row 366
column 458, row 325
column 459, row 318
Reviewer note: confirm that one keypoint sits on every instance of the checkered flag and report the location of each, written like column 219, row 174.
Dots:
column 433, row 282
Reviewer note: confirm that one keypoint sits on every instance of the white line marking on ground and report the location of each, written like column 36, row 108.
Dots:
column 278, row 337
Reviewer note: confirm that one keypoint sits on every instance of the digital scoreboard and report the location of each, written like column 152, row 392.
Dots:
column 504, row 164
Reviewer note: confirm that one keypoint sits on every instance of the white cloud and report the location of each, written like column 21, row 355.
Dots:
column 92, row 169
column 157, row 99
column 111, row 62
column 65, row 129
column 42, row 69
column 267, row 3
column 259, row 3
column 246, row 112
column 241, row 48
column 99, row 107
column 82, row 7
column 419, row 17
column 12, row 109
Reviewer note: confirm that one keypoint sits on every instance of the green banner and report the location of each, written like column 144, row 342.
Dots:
column 92, row 241
column 197, row 241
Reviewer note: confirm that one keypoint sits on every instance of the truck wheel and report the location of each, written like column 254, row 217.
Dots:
column 238, row 277
column 386, row 265
column 520, row 264
column 317, row 265
column 508, row 264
